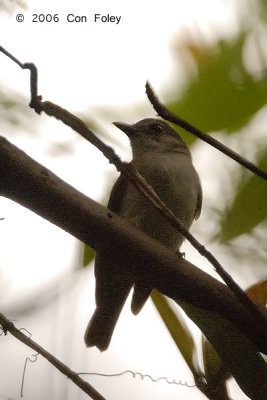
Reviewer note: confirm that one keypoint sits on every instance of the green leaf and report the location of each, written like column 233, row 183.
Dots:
column 88, row 255
column 223, row 95
column 249, row 207
column 263, row 10
column 215, row 370
column 177, row 328
column 238, row 353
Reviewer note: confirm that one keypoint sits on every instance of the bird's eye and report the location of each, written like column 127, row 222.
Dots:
column 157, row 128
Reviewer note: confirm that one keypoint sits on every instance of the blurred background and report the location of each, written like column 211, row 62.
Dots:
column 207, row 62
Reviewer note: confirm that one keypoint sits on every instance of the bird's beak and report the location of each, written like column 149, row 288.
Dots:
column 129, row 129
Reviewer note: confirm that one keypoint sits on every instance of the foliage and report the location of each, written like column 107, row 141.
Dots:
column 249, row 206
column 222, row 95
column 231, row 344
column 88, row 255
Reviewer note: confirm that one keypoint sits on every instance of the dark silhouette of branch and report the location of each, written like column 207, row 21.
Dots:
column 8, row 326
column 169, row 116
column 30, row 184
column 138, row 181
column 208, row 302
column 144, row 257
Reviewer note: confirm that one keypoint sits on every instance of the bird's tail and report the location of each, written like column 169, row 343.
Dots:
column 102, row 324
column 100, row 329
column 140, row 296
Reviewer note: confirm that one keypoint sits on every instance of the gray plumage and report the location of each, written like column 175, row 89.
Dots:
column 164, row 160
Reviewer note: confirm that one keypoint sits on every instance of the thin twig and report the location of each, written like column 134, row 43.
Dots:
column 33, row 78
column 169, row 116
column 32, row 359
column 139, row 182
column 8, row 326
column 143, row 376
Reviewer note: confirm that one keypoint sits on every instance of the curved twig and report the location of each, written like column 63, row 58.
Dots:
column 8, row 326
column 139, row 182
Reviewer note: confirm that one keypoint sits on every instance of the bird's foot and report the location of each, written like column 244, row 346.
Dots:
column 180, row 254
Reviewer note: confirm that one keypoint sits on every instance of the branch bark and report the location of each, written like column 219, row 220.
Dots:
column 209, row 303
column 138, row 181
column 32, row 185
column 35, row 187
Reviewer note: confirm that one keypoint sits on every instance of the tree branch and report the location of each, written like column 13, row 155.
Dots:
column 8, row 326
column 137, row 180
column 169, row 116
column 32, row 185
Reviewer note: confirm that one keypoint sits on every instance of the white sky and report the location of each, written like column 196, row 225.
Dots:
column 81, row 65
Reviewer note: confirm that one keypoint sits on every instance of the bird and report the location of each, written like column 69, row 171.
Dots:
column 164, row 160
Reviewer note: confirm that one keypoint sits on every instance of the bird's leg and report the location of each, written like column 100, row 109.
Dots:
column 180, row 254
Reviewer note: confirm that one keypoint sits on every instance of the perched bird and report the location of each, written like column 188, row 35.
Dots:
column 161, row 156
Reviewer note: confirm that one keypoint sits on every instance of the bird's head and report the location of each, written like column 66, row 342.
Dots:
column 152, row 135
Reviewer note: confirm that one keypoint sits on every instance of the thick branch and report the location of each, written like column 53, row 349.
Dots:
column 36, row 188
column 137, row 180
column 33, row 186
column 143, row 187
column 59, row 203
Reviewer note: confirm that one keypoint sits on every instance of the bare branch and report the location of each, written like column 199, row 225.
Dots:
column 30, row 184
column 169, row 116
column 209, row 303
column 8, row 326
column 137, row 180
column 153, row 262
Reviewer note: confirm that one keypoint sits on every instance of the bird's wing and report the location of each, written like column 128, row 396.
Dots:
column 117, row 194
column 199, row 201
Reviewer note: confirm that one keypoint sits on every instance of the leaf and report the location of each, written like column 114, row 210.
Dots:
column 88, row 255
column 214, row 367
column 262, row 10
column 249, row 207
column 177, row 328
column 237, row 352
column 223, row 95
column 258, row 293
